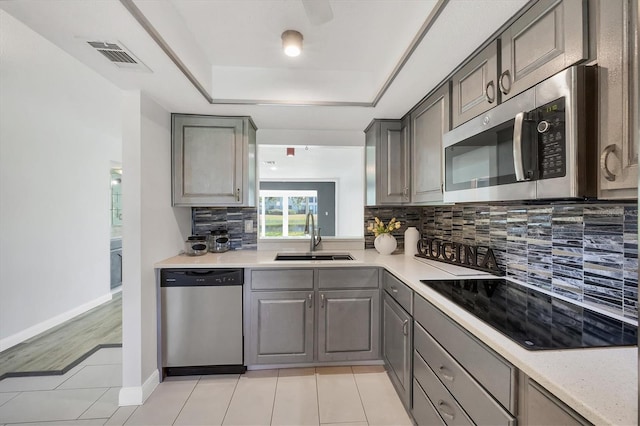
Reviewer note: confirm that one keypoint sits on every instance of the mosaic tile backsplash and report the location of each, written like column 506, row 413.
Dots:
column 587, row 252
column 206, row 219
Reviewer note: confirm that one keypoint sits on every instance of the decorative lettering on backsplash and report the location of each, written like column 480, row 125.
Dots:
column 479, row 258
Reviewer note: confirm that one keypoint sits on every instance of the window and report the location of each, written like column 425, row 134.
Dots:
column 283, row 212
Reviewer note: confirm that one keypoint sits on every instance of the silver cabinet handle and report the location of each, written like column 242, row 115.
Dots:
column 504, row 88
column 443, row 372
column 394, row 290
column 517, row 147
column 604, row 162
column 238, row 194
column 310, row 297
column 405, row 329
column 322, row 300
column 490, row 98
column 441, row 406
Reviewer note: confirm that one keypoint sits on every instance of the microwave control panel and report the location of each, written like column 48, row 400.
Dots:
column 552, row 155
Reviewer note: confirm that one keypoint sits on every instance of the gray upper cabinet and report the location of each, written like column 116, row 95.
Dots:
column 475, row 87
column 617, row 50
column 539, row 407
column 548, row 38
column 213, row 161
column 387, row 163
column 348, row 325
column 429, row 121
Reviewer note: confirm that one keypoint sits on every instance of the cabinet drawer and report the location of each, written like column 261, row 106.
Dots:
column 423, row 410
column 478, row 404
column 399, row 291
column 348, row 278
column 442, row 400
column 494, row 373
column 282, row 279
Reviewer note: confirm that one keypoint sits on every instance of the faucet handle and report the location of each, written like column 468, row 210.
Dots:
column 316, row 243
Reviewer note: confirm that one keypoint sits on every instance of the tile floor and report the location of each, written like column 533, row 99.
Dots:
column 88, row 395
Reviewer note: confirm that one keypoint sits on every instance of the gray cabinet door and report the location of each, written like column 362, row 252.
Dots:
column 348, row 325
column 617, row 46
column 396, row 346
column 428, row 123
column 539, row 407
column 475, row 88
column 281, row 327
column 387, row 154
column 548, row 38
column 212, row 161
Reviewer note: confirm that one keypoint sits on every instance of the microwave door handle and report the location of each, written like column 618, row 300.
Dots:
column 517, row 147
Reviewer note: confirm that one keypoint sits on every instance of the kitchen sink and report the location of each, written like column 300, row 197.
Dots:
column 313, row 256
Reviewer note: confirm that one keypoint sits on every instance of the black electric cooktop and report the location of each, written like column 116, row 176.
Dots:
column 535, row 320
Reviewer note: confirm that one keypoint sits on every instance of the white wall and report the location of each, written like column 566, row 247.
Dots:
column 60, row 129
column 153, row 231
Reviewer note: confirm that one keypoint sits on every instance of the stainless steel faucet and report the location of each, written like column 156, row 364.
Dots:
column 315, row 238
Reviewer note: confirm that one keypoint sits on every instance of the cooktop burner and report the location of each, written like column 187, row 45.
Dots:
column 533, row 319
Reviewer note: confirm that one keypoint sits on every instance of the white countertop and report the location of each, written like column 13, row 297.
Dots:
column 601, row 383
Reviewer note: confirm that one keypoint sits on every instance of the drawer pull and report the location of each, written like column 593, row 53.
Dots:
column 441, row 406
column 405, row 329
column 394, row 290
column 443, row 372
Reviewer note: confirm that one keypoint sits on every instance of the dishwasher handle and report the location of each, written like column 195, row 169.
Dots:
column 201, row 277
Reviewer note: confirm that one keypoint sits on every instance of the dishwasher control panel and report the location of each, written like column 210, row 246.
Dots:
column 201, row 277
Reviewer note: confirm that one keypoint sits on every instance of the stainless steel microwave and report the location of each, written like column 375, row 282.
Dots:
column 539, row 144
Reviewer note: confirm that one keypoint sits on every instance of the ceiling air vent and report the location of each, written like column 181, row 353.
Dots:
column 118, row 55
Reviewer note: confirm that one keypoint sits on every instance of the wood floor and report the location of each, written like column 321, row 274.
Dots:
column 59, row 349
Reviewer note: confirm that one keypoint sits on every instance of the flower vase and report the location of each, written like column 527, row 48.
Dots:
column 385, row 243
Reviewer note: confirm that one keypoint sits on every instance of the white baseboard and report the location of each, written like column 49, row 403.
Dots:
column 137, row 395
column 34, row 330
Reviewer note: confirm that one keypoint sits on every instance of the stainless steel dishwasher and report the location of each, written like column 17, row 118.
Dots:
column 201, row 321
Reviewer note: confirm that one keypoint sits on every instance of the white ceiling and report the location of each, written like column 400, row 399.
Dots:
column 233, row 49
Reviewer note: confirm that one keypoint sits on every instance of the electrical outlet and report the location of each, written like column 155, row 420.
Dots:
column 248, row 226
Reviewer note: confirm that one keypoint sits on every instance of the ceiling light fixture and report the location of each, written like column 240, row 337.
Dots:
column 291, row 42
column 291, row 152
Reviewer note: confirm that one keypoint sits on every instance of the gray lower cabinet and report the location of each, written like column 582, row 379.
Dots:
column 397, row 333
column 213, row 160
column 539, row 407
column 464, row 381
column 423, row 411
column 304, row 315
column 348, row 325
column 282, row 326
